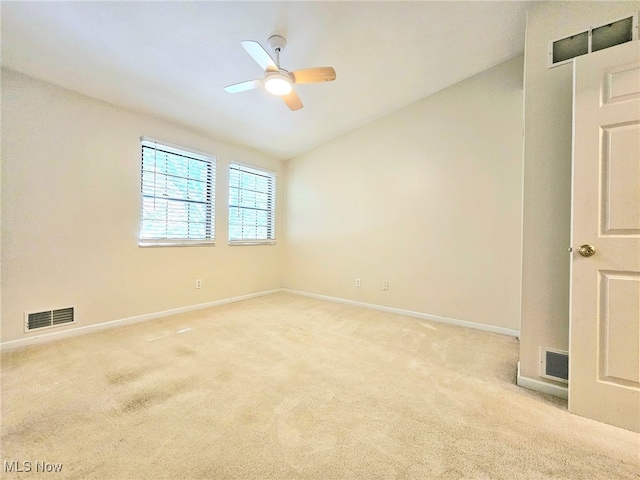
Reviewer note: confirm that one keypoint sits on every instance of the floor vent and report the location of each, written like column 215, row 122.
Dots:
column 554, row 364
column 48, row 319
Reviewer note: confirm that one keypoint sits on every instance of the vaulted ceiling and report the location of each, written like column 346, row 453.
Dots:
column 173, row 59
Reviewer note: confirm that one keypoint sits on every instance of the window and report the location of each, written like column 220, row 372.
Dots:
column 252, row 205
column 177, row 196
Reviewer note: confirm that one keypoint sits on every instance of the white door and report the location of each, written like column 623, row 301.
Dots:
column 604, row 350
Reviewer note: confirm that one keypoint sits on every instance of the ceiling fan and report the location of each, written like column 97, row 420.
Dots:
column 277, row 80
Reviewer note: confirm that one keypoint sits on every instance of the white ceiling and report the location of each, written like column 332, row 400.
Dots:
column 172, row 59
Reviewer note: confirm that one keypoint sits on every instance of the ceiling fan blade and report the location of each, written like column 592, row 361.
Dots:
column 314, row 75
column 243, row 86
column 260, row 55
column 292, row 100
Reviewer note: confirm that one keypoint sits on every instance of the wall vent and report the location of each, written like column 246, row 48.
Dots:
column 554, row 364
column 563, row 50
column 48, row 318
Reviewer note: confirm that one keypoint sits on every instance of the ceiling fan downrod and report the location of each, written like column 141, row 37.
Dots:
column 276, row 44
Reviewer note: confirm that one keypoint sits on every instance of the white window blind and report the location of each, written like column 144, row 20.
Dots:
column 177, row 196
column 252, row 205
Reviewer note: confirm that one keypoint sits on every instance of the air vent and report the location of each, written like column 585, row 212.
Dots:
column 554, row 364
column 614, row 33
column 48, row 319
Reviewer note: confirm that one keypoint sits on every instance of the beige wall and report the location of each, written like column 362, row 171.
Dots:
column 428, row 198
column 70, row 214
column 547, row 174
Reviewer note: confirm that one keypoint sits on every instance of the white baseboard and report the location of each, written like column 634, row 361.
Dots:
column 540, row 386
column 41, row 338
column 409, row 313
column 47, row 337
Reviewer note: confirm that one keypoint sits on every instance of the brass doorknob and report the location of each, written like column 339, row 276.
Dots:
column 587, row 250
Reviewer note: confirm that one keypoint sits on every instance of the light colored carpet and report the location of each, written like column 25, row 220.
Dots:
column 288, row 387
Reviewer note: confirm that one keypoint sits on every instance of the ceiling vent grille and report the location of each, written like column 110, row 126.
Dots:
column 48, row 318
column 563, row 50
column 554, row 364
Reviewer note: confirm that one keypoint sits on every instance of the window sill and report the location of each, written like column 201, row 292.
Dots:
column 175, row 244
column 235, row 243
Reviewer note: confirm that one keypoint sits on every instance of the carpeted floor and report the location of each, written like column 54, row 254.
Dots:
column 288, row 387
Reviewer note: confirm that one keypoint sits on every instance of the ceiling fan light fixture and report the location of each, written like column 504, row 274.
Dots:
column 278, row 84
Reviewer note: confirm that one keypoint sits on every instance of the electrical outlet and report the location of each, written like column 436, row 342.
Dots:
column 357, row 282
column 385, row 286
column 198, row 283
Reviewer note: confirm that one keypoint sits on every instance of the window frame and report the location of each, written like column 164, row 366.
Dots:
column 211, row 161
column 270, row 240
